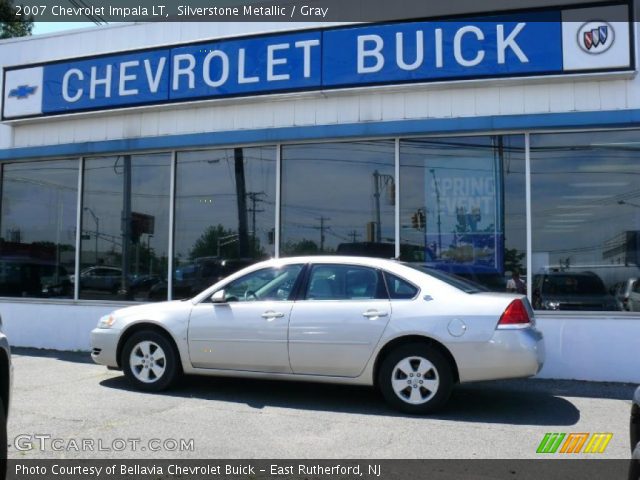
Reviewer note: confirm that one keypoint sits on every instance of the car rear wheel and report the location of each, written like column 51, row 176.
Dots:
column 416, row 379
column 150, row 361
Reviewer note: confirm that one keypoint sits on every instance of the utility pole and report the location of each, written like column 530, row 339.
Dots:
column 380, row 181
column 126, row 227
column 322, row 228
column 376, row 197
column 254, row 198
column 435, row 182
column 354, row 235
column 241, row 198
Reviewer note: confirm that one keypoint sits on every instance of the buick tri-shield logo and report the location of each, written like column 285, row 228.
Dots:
column 596, row 37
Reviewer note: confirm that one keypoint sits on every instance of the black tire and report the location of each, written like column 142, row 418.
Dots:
column 634, row 466
column 426, row 400
column 3, row 442
column 170, row 366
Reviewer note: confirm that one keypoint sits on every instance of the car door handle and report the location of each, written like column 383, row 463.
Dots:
column 374, row 314
column 271, row 315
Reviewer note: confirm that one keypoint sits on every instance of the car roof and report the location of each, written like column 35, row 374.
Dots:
column 343, row 259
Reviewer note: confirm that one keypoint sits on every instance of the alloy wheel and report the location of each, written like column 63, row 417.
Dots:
column 415, row 380
column 148, row 361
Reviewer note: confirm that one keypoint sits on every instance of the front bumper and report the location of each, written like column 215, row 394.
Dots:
column 104, row 346
column 511, row 353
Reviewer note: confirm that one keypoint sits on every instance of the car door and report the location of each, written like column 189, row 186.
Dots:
column 249, row 330
column 339, row 320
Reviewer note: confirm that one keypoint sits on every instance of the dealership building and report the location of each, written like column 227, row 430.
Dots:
column 141, row 162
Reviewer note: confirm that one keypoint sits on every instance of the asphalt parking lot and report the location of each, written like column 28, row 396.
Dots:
column 76, row 409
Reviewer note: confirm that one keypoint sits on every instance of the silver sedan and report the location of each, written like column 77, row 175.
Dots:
column 409, row 331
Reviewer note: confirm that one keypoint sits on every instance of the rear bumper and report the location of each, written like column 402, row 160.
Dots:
column 104, row 345
column 511, row 353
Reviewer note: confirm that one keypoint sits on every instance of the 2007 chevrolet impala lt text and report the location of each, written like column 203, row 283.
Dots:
column 410, row 331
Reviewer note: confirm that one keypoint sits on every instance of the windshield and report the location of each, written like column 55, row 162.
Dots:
column 460, row 283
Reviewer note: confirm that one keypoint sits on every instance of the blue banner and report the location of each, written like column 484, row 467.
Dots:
column 427, row 51
column 495, row 46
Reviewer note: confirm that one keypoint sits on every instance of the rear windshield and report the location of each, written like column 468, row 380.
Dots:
column 460, row 283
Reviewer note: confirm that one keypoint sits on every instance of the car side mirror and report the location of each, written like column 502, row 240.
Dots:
column 218, row 297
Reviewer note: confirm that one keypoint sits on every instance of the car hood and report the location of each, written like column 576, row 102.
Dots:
column 152, row 311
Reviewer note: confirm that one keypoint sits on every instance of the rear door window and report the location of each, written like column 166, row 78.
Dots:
column 399, row 289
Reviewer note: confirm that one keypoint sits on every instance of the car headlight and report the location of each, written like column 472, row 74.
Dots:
column 107, row 321
column 549, row 305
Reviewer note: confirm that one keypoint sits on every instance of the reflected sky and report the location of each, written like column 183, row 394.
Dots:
column 337, row 182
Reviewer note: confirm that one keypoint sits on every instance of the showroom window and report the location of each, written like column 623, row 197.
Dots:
column 38, row 228
column 338, row 198
column 463, row 207
column 585, row 219
column 225, row 214
column 125, row 227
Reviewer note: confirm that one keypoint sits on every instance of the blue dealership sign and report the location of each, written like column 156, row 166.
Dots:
column 427, row 51
column 496, row 46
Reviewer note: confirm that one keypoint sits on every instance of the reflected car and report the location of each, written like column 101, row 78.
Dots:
column 571, row 291
column 634, row 431
column 6, row 371
column 141, row 285
column 193, row 278
column 411, row 332
column 623, row 291
column 100, row 278
column 31, row 277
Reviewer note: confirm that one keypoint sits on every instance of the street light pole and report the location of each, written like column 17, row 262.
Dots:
column 97, row 220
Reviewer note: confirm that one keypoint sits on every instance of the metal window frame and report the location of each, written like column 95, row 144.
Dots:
column 278, row 218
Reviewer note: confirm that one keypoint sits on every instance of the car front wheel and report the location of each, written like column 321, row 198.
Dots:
column 416, row 379
column 150, row 361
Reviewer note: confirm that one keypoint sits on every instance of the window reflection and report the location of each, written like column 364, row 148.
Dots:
column 586, row 219
column 37, row 243
column 125, row 226
column 225, row 214
column 338, row 198
column 462, row 206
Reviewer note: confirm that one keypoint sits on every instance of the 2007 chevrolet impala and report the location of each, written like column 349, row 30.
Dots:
column 412, row 332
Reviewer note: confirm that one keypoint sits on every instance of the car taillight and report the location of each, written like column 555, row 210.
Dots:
column 515, row 315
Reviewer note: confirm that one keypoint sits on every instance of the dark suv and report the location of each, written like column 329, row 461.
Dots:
column 571, row 291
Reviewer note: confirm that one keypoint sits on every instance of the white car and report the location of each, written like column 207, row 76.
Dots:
column 411, row 332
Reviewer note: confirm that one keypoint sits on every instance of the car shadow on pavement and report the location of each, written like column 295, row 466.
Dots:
column 65, row 356
column 488, row 402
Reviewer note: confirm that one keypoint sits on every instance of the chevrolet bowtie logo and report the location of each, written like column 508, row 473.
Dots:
column 22, row 91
